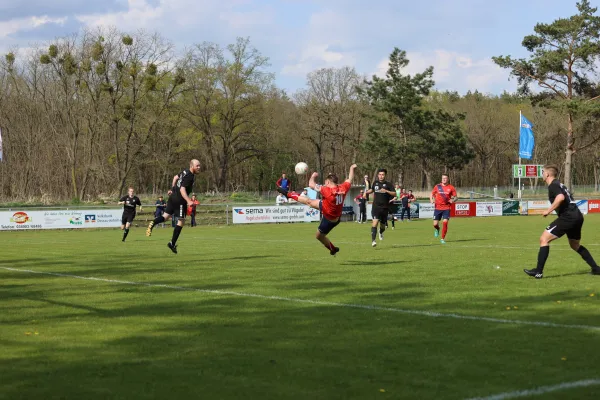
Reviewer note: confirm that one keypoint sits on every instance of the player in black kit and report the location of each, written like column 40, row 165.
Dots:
column 129, row 203
column 383, row 193
column 569, row 222
column 179, row 200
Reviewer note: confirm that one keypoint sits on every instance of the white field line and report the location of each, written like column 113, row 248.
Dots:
column 423, row 313
column 540, row 390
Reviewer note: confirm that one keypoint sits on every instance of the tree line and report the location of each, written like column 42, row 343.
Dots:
column 89, row 114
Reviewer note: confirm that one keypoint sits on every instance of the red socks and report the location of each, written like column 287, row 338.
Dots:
column 293, row 195
column 444, row 229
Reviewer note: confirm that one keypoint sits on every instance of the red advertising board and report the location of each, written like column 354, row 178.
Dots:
column 463, row 209
column 531, row 171
column 593, row 206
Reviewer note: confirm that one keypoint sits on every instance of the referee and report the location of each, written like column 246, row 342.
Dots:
column 383, row 193
column 569, row 222
column 129, row 203
column 178, row 203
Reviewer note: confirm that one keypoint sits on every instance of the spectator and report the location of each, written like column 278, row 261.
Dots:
column 304, row 193
column 284, row 182
column 281, row 199
column 361, row 200
column 192, row 209
column 160, row 208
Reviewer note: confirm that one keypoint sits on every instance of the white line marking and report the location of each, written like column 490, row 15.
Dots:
column 540, row 390
column 423, row 313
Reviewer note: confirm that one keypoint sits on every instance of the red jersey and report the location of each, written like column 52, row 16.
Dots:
column 443, row 202
column 333, row 200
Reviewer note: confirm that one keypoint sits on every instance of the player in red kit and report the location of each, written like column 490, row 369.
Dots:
column 442, row 195
column 330, row 205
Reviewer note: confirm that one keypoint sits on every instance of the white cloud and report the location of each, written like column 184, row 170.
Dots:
column 26, row 24
column 454, row 71
column 323, row 46
column 315, row 56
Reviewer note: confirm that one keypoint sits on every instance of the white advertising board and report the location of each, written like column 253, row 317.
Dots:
column 59, row 219
column 426, row 210
column 266, row 214
column 488, row 209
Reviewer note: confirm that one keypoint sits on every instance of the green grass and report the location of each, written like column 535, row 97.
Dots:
column 63, row 337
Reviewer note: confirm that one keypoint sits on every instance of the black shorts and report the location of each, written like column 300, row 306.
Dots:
column 127, row 217
column 568, row 224
column 380, row 214
column 326, row 225
column 393, row 208
column 176, row 207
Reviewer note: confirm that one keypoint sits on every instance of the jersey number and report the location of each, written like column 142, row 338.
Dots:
column 339, row 199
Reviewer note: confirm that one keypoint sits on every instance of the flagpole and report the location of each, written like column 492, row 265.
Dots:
column 519, row 167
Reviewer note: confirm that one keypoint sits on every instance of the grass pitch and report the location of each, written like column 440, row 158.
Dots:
column 264, row 312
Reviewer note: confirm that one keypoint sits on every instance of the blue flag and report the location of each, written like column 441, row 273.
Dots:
column 526, row 141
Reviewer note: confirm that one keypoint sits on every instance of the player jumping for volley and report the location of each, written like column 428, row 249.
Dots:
column 330, row 205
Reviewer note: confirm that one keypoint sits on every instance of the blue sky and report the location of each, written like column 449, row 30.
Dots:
column 457, row 37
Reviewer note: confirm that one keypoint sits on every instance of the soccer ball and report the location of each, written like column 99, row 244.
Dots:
column 301, row 168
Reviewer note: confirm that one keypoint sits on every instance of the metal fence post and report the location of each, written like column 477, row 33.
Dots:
column 227, row 213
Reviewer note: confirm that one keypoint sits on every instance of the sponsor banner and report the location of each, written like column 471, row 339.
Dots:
column 523, row 208
column 59, row 219
column 537, row 207
column 463, row 209
column 594, row 206
column 510, row 208
column 527, row 171
column 583, row 206
column 414, row 211
column 426, row 210
column 267, row 214
column 488, row 209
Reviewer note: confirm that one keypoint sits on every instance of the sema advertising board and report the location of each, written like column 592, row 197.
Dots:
column 488, row 209
column 267, row 214
column 59, row 219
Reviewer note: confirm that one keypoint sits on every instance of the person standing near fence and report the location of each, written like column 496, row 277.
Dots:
column 192, row 210
column 160, row 208
column 283, row 182
column 406, row 199
column 362, row 207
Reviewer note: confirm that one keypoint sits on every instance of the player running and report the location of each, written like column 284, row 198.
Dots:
column 442, row 195
column 178, row 203
column 129, row 203
column 569, row 222
column 330, row 205
column 384, row 192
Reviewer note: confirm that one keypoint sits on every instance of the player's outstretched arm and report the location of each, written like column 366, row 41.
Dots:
column 351, row 173
column 312, row 183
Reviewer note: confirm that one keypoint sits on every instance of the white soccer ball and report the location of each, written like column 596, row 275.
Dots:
column 301, row 168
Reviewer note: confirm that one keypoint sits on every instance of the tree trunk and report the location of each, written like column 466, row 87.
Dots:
column 568, row 181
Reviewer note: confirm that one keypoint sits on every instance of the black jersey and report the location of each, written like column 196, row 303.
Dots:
column 186, row 180
column 556, row 188
column 130, row 203
column 382, row 200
